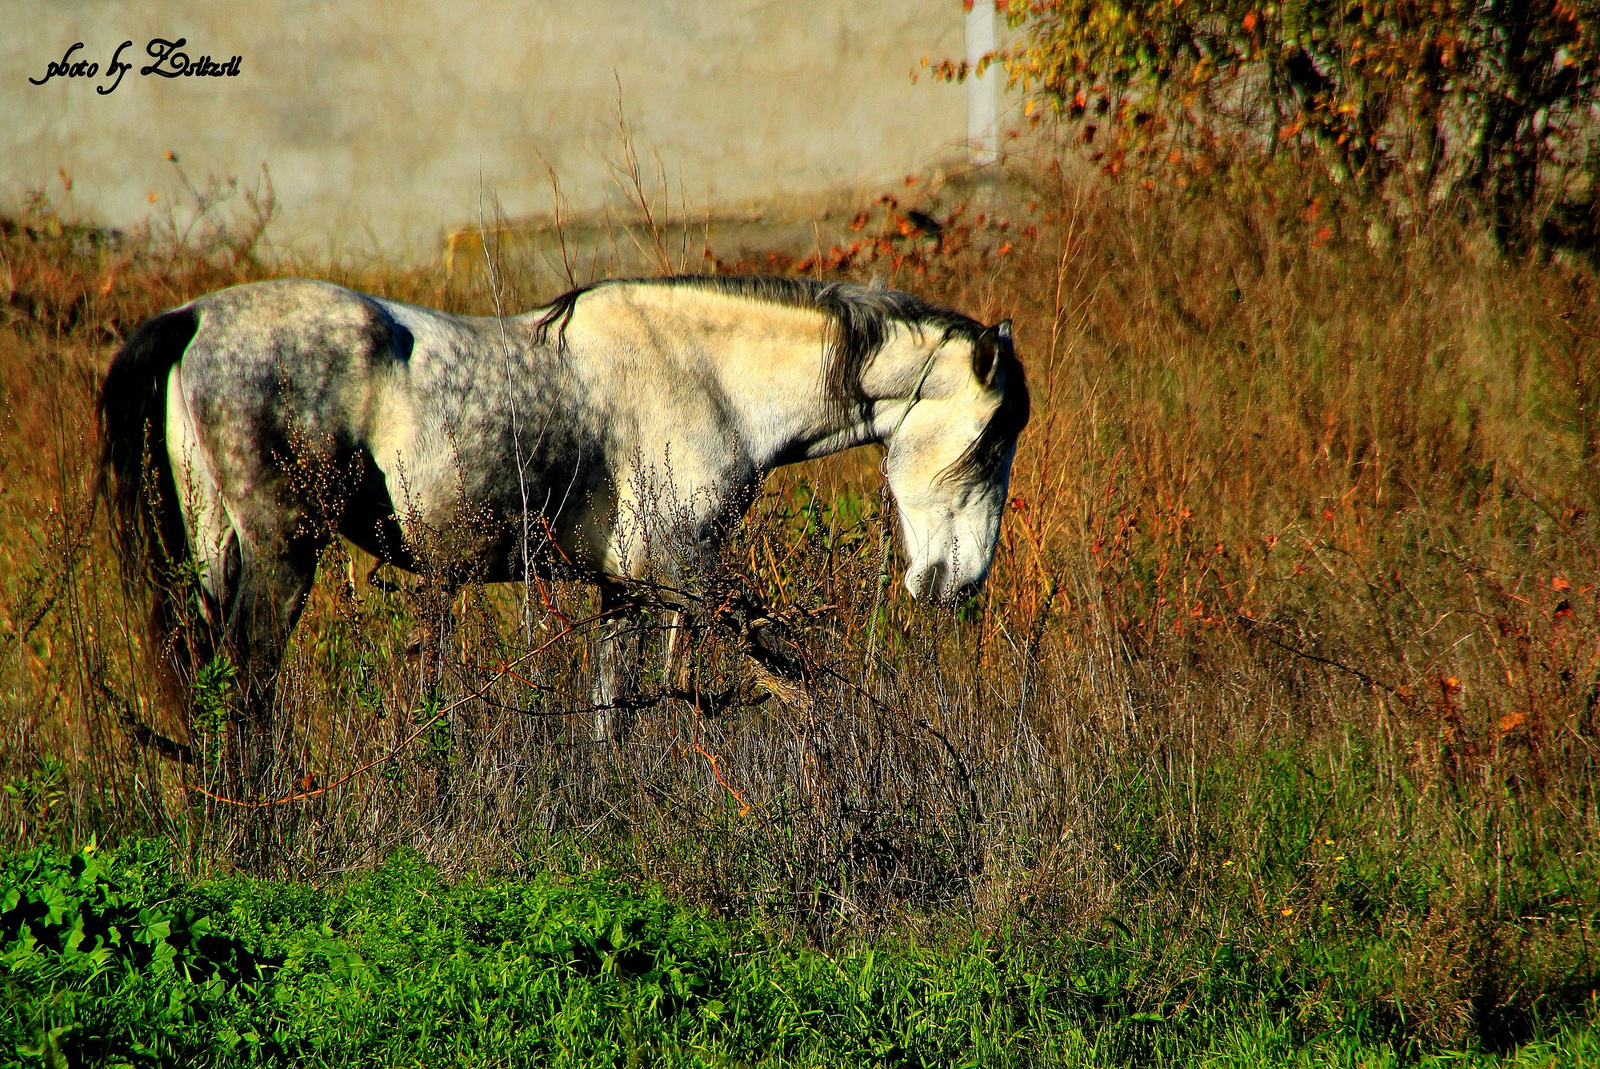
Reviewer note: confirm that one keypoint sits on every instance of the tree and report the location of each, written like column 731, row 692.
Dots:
column 1491, row 103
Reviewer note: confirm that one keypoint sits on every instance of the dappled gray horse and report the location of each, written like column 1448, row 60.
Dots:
column 245, row 429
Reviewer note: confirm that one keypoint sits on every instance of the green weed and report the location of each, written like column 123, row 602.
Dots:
column 113, row 962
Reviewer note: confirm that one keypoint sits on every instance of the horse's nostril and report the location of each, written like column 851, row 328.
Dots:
column 926, row 582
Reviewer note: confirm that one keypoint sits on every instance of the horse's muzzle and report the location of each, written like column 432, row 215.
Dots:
column 933, row 583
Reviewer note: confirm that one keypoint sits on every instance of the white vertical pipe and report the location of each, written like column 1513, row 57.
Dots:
column 982, row 142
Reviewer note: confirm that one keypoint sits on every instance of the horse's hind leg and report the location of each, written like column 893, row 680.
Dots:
column 254, row 545
column 262, row 609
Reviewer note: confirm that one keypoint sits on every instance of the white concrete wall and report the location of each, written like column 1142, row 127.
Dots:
column 377, row 118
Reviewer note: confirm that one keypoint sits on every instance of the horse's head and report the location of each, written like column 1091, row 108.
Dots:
column 949, row 460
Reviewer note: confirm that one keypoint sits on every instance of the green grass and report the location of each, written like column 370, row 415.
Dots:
column 112, row 960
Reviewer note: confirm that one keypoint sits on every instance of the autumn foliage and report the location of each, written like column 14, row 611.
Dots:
column 1410, row 103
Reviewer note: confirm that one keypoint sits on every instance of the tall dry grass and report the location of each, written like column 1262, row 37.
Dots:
column 1285, row 679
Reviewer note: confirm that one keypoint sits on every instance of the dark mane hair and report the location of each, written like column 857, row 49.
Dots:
column 860, row 319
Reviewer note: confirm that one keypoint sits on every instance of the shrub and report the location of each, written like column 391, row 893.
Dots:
column 1411, row 102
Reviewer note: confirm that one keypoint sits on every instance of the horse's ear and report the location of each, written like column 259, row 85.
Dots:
column 986, row 352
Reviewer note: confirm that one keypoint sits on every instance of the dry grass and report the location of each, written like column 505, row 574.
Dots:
column 1285, row 679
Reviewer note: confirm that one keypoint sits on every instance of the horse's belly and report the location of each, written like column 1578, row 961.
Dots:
column 493, row 485
column 492, row 529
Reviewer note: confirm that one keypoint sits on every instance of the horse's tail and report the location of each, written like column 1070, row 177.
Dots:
column 136, row 479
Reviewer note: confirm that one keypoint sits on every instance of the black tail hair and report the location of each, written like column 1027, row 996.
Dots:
column 136, row 479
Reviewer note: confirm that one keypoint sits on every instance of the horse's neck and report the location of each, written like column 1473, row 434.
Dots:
column 889, row 383
column 769, row 362
column 780, row 381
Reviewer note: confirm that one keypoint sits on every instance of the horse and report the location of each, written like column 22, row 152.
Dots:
column 244, row 430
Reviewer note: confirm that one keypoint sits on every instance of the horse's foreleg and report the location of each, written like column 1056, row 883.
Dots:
column 677, row 652
column 435, row 625
column 618, row 653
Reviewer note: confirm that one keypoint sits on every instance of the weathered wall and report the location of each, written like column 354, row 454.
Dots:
column 378, row 119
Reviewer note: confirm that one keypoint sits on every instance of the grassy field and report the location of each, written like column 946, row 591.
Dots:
column 1272, row 739
column 113, row 961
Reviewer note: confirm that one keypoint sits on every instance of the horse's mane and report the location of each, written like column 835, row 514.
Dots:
column 861, row 317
